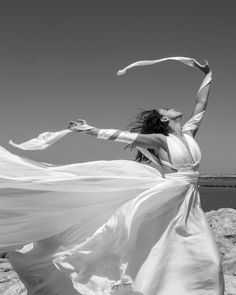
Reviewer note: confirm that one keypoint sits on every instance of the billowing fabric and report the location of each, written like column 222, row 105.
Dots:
column 42, row 141
column 109, row 227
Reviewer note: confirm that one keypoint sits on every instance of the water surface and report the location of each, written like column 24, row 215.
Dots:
column 213, row 198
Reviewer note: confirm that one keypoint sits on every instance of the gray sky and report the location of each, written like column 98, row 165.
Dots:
column 58, row 61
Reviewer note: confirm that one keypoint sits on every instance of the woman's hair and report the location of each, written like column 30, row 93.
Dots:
column 148, row 122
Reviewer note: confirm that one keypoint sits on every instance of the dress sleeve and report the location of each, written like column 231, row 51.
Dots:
column 193, row 123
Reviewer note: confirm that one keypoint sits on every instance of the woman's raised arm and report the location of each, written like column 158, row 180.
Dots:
column 203, row 93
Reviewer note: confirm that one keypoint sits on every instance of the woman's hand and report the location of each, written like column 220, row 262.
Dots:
column 79, row 125
column 204, row 68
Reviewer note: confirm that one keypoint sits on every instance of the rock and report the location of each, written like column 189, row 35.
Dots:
column 223, row 225
column 230, row 285
column 10, row 283
column 229, row 262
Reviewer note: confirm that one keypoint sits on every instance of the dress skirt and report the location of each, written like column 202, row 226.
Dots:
column 106, row 227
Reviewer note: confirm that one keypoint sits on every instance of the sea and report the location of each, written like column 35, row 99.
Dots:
column 213, row 198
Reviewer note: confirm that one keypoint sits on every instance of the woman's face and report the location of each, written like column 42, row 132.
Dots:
column 170, row 113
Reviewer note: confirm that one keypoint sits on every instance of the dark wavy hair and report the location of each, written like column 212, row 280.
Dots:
column 147, row 122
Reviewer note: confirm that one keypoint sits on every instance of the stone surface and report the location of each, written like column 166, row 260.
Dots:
column 229, row 262
column 9, row 280
column 223, row 225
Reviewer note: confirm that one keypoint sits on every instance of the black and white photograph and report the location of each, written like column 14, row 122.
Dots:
column 117, row 147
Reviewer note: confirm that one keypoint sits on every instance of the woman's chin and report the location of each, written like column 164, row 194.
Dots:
column 179, row 115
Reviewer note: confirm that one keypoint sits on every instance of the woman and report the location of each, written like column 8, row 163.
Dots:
column 115, row 227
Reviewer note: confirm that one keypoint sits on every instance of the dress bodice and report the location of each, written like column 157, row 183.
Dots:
column 181, row 155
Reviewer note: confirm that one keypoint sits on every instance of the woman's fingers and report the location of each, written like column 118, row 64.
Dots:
column 79, row 125
column 77, row 122
column 81, row 121
column 203, row 67
column 71, row 122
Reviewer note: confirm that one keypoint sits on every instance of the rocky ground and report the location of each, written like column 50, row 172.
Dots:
column 223, row 224
column 9, row 281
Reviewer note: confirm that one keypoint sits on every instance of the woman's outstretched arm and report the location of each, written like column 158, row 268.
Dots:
column 153, row 141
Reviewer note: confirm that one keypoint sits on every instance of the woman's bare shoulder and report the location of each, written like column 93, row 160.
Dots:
column 163, row 140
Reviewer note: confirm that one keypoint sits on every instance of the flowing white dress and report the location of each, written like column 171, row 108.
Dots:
column 86, row 226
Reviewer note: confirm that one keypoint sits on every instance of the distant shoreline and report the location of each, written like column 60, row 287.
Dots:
column 217, row 181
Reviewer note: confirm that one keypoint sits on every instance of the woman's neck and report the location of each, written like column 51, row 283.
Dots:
column 175, row 127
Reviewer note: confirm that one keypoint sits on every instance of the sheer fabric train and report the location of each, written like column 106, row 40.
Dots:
column 109, row 227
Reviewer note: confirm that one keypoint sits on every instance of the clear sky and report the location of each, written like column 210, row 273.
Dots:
column 58, row 61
